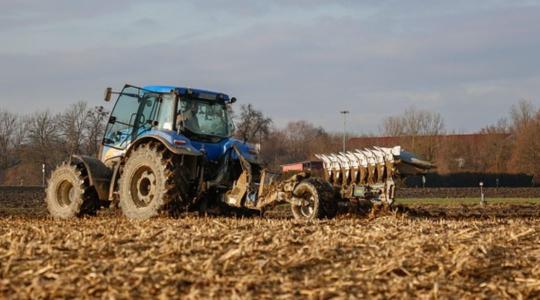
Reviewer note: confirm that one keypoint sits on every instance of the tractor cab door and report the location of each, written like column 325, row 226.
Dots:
column 134, row 113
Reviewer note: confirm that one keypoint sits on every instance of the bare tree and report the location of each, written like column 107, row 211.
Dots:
column 95, row 127
column 501, row 127
column 495, row 149
column 304, row 139
column 252, row 123
column 12, row 136
column 521, row 114
column 422, row 122
column 392, row 126
column 73, row 124
column 526, row 152
column 21, row 132
column 8, row 126
column 298, row 141
column 44, row 138
column 413, row 122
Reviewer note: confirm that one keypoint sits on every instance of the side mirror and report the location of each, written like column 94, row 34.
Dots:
column 233, row 99
column 108, row 93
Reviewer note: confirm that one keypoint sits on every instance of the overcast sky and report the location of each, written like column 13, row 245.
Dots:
column 306, row 59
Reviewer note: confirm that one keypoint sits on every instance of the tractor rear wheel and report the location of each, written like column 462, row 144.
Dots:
column 147, row 184
column 318, row 198
column 68, row 193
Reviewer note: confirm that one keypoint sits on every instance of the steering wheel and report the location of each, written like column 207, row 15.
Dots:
column 118, row 136
column 142, row 119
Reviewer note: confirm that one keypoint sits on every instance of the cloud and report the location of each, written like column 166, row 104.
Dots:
column 468, row 64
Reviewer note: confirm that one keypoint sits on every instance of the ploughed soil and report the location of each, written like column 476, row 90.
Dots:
column 417, row 251
column 431, row 211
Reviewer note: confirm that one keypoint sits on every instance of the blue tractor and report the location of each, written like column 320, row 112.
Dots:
column 170, row 149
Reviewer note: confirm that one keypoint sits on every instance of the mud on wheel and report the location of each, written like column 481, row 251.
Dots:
column 68, row 192
column 147, row 184
column 318, row 200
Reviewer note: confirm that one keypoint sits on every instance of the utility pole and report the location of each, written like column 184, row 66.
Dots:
column 344, row 113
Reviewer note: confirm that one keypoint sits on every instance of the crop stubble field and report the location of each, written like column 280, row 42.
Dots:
column 426, row 251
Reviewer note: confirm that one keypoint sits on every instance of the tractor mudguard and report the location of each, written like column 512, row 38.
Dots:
column 98, row 174
column 183, row 148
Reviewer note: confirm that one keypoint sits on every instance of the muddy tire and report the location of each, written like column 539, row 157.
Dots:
column 68, row 193
column 147, row 185
column 320, row 196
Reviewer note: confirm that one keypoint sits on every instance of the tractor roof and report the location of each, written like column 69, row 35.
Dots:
column 204, row 94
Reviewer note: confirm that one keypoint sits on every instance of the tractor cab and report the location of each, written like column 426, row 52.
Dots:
column 201, row 119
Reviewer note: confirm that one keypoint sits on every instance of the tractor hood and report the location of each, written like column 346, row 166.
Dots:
column 214, row 151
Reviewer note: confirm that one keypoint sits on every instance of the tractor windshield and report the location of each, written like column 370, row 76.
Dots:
column 204, row 117
column 135, row 112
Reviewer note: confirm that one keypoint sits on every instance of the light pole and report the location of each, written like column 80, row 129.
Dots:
column 344, row 113
column 43, row 174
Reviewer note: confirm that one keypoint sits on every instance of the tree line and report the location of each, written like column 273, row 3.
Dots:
column 29, row 142
column 511, row 145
